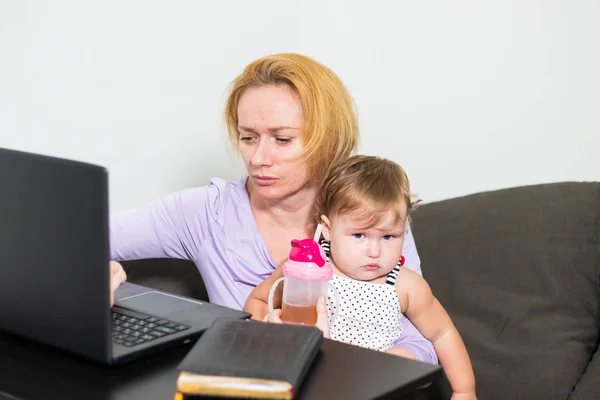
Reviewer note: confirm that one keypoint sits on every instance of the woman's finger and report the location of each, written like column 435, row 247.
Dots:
column 275, row 317
column 117, row 277
column 322, row 317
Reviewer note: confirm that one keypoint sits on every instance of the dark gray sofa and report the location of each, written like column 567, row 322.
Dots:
column 519, row 272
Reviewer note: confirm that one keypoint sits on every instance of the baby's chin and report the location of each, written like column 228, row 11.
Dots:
column 367, row 275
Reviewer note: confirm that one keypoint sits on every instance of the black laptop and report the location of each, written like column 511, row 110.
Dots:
column 54, row 273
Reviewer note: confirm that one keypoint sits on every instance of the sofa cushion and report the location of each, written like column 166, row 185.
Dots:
column 518, row 271
column 170, row 275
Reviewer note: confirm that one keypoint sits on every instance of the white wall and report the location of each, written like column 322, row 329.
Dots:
column 466, row 95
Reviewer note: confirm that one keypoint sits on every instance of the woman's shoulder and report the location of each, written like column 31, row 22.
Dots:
column 220, row 191
column 236, row 185
column 212, row 199
column 225, row 197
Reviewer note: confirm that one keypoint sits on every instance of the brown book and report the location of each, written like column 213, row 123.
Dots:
column 249, row 359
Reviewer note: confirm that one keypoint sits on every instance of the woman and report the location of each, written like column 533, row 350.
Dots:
column 290, row 118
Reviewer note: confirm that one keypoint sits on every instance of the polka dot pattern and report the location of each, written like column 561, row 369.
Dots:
column 368, row 315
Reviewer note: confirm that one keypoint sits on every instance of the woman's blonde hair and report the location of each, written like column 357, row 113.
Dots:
column 330, row 130
column 368, row 187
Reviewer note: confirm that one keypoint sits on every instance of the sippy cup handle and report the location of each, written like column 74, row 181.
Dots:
column 337, row 304
column 272, row 293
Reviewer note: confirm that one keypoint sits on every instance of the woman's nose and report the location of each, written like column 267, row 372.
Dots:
column 262, row 153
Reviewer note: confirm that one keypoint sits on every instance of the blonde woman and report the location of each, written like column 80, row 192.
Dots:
column 290, row 118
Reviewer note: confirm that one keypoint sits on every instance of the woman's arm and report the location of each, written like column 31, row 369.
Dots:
column 257, row 302
column 172, row 226
column 433, row 321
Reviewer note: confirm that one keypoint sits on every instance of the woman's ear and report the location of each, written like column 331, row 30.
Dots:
column 326, row 227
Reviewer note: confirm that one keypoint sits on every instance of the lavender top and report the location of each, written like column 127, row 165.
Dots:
column 214, row 227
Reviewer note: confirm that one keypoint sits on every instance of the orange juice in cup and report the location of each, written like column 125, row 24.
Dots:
column 306, row 277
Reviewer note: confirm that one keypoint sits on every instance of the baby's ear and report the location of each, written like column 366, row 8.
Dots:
column 326, row 227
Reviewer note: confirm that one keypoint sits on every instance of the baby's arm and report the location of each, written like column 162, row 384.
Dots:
column 257, row 303
column 411, row 343
column 428, row 315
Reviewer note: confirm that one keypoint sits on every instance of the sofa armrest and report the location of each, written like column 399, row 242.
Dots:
column 517, row 270
column 587, row 387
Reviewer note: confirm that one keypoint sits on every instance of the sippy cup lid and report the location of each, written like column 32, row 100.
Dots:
column 307, row 260
column 306, row 250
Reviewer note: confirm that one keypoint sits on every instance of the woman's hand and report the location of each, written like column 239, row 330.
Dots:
column 117, row 277
column 322, row 317
column 273, row 317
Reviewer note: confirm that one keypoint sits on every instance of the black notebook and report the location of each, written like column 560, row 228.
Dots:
column 249, row 359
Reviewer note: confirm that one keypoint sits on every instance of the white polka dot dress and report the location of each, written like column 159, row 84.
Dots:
column 368, row 315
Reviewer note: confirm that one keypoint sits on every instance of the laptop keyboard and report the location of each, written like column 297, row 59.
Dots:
column 132, row 328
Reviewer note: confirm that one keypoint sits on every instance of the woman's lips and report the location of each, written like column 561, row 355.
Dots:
column 263, row 180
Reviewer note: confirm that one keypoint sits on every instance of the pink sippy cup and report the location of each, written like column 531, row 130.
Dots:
column 306, row 277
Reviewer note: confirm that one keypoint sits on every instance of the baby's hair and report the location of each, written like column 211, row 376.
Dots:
column 368, row 187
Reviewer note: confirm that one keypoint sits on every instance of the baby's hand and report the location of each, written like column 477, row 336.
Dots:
column 273, row 317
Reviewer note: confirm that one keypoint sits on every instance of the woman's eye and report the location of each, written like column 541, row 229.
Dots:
column 387, row 237
column 283, row 140
column 246, row 139
column 359, row 235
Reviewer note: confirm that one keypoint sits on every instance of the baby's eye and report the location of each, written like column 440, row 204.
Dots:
column 359, row 235
column 388, row 237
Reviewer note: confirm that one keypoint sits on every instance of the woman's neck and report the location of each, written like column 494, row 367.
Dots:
column 290, row 213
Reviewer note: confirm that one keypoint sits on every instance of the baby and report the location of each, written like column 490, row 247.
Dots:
column 363, row 206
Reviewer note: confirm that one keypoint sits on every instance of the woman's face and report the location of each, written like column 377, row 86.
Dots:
column 270, row 120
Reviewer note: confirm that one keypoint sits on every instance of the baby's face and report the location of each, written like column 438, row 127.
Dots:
column 364, row 253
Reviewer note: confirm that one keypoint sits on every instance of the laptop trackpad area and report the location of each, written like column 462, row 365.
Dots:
column 160, row 304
